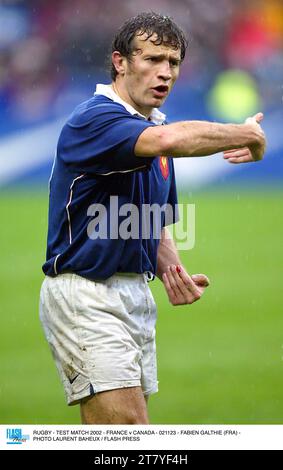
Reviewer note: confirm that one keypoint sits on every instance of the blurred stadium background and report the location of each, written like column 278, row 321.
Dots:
column 220, row 360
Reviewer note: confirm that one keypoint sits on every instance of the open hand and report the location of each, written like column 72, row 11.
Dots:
column 182, row 288
column 249, row 154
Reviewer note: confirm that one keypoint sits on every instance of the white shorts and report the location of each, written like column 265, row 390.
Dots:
column 101, row 334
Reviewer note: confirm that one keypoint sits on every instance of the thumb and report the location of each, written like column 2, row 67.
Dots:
column 200, row 280
column 259, row 117
column 256, row 118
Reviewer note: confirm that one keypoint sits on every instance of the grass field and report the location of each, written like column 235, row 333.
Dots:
column 220, row 360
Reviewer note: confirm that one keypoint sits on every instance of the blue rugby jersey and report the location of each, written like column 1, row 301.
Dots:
column 95, row 168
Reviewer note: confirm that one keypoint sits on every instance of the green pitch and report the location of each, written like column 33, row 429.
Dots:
column 220, row 360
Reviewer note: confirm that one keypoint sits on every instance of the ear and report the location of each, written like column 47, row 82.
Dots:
column 119, row 62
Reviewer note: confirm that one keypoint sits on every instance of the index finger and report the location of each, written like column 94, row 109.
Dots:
column 188, row 281
column 231, row 150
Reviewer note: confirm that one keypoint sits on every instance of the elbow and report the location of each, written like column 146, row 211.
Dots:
column 167, row 142
column 173, row 143
column 155, row 141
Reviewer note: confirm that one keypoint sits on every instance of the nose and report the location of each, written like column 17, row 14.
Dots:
column 164, row 71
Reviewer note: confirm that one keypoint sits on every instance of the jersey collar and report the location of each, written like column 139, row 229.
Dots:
column 106, row 90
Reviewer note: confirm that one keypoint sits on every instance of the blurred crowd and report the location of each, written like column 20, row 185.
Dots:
column 53, row 52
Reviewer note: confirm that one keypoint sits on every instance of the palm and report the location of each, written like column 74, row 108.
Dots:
column 181, row 288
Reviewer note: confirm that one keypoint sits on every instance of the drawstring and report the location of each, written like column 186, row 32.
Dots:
column 149, row 276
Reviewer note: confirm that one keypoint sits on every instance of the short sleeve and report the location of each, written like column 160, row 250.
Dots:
column 100, row 137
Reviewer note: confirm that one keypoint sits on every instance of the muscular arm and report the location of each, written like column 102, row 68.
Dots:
column 200, row 138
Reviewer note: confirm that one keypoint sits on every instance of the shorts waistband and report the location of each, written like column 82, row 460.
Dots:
column 148, row 275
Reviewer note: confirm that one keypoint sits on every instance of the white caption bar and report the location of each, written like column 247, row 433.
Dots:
column 188, row 437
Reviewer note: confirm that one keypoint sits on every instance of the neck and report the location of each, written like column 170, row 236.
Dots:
column 123, row 94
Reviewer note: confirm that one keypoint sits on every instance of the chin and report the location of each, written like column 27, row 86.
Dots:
column 158, row 103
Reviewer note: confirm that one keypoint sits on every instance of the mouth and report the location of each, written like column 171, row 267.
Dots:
column 161, row 91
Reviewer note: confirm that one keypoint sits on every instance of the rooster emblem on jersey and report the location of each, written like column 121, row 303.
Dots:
column 164, row 167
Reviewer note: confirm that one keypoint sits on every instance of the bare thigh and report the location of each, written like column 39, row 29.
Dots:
column 121, row 406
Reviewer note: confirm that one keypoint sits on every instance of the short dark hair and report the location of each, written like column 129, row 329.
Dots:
column 168, row 33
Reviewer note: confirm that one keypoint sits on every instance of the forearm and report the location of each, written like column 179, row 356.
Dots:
column 197, row 138
column 167, row 253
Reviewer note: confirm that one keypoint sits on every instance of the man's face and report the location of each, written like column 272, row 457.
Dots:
column 150, row 74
